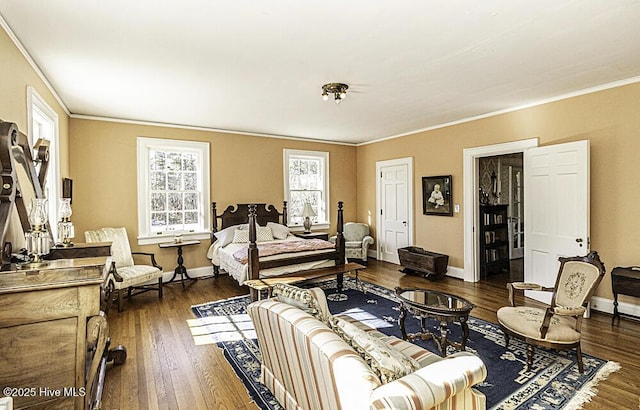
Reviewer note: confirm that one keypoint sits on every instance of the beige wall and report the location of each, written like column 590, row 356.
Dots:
column 244, row 169
column 609, row 119
column 16, row 74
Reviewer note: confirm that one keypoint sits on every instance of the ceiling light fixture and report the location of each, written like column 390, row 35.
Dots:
column 339, row 91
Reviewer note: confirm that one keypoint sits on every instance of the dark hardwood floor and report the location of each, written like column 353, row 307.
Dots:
column 166, row 370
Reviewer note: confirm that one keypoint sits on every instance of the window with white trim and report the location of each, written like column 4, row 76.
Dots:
column 43, row 124
column 173, row 189
column 306, row 179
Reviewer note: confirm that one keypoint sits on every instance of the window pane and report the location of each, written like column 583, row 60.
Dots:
column 190, row 162
column 158, row 219
column 158, row 202
column 175, row 202
column 190, row 181
column 158, row 181
column 175, row 218
column 174, row 181
column 190, row 218
column 191, row 201
column 157, row 160
column 174, row 161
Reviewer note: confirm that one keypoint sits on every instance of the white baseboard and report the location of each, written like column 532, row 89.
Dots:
column 200, row 272
column 454, row 272
column 606, row 305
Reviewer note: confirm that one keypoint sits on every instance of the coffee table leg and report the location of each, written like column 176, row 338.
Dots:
column 401, row 318
column 442, row 340
column 465, row 332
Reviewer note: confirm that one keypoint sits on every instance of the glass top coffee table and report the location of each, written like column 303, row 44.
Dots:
column 444, row 307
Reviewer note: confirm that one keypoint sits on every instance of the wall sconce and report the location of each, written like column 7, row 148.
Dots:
column 307, row 212
column 65, row 227
column 38, row 241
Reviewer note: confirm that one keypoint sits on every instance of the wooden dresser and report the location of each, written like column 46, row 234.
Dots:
column 52, row 333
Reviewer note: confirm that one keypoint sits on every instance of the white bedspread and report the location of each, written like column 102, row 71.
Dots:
column 223, row 257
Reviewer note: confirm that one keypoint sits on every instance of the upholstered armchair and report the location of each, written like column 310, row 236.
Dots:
column 357, row 240
column 557, row 326
column 125, row 274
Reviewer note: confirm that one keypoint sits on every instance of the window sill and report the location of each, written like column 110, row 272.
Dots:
column 300, row 228
column 186, row 236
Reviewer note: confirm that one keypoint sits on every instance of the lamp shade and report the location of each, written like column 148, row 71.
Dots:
column 307, row 211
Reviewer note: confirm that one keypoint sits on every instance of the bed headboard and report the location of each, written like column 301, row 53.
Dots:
column 239, row 214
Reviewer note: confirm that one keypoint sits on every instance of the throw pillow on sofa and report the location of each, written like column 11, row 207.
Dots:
column 388, row 363
column 312, row 301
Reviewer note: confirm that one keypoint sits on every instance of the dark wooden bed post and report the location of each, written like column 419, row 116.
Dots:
column 254, row 262
column 285, row 221
column 340, row 253
column 214, row 229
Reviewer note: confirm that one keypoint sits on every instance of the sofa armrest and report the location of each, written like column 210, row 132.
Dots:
column 432, row 384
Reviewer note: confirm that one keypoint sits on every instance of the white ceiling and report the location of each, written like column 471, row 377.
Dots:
column 258, row 66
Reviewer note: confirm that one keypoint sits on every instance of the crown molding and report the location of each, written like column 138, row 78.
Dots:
column 5, row 26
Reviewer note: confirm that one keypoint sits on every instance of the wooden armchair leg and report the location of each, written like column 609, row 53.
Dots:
column 530, row 350
column 579, row 357
column 120, row 292
column 160, row 288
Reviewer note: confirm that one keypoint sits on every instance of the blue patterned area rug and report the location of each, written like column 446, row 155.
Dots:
column 553, row 382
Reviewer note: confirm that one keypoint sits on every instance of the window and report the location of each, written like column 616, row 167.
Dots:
column 173, row 189
column 306, row 179
column 43, row 124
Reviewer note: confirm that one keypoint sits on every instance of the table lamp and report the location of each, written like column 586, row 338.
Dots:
column 307, row 212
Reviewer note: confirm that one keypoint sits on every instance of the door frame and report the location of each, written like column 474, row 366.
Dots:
column 471, row 198
column 408, row 161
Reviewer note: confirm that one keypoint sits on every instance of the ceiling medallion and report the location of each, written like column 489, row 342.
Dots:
column 339, row 91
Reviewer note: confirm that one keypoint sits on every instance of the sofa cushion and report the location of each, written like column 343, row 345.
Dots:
column 388, row 363
column 312, row 301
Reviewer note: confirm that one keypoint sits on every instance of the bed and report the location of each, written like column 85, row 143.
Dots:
column 262, row 256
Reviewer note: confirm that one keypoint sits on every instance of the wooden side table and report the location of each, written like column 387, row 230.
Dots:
column 80, row 250
column 624, row 281
column 313, row 235
column 180, row 269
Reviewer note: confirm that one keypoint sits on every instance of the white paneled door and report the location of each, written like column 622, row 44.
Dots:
column 556, row 191
column 395, row 195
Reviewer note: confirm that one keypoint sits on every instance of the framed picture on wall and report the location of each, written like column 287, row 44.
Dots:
column 436, row 195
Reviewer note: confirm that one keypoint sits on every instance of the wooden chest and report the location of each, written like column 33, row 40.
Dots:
column 417, row 260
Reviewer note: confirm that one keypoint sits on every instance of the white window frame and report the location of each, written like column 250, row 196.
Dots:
column 145, row 144
column 41, row 115
column 322, row 219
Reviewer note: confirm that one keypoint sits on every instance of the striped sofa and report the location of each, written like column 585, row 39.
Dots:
column 307, row 365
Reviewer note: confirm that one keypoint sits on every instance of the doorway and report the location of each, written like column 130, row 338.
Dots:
column 501, row 179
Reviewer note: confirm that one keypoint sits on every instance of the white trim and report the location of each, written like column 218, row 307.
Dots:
column 454, row 272
column 324, row 157
column 584, row 91
column 53, row 181
column 471, row 186
column 32, row 63
column 606, row 305
column 408, row 161
column 208, row 129
column 144, row 144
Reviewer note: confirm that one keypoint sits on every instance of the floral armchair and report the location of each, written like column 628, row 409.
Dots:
column 557, row 326
column 357, row 240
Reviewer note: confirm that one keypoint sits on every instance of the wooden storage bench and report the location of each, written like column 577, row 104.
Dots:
column 416, row 260
column 298, row 277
